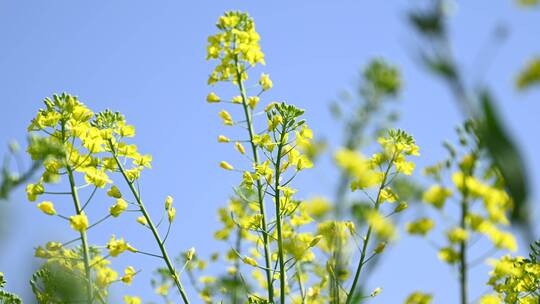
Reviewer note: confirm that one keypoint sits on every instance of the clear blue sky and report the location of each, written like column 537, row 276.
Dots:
column 147, row 60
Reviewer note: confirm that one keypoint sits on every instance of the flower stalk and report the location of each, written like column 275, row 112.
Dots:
column 259, row 185
column 277, row 198
column 362, row 262
column 78, row 210
column 155, row 232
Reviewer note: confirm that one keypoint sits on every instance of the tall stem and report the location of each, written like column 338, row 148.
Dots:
column 260, row 195
column 299, row 273
column 78, row 210
column 361, row 263
column 463, row 258
column 238, row 248
column 152, row 227
column 84, row 241
column 282, row 271
column 463, row 244
column 355, row 128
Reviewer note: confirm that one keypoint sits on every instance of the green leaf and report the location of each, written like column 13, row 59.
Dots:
column 505, row 156
column 440, row 65
column 530, row 75
column 429, row 22
column 6, row 297
column 528, row 2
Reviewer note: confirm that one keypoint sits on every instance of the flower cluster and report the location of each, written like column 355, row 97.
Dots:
column 94, row 146
column 275, row 244
column 485, row 187
column 476, row 187
column 237, row 42
column 515, row 279
column 374, row 176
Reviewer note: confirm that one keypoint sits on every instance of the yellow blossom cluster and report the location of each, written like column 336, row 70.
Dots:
column 485, row 187
column 71, row 264
column 237, row 41
column 515, row 279
column 94, row 146
column 263, row 235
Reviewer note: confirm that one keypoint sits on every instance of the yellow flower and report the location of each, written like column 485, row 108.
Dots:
column 212, row 98
column 490, row 299
column 249, row 261
column 96, row 177
column 252, row 101
column 132, row 300
column 79, row 222
column 315, row 241
column 403, row 166
column 318, row 207
column 387, row 195
column 457, row 235
column 114, row 192
column 358, row 167
column 225, row 165
column 207, row 279
column 190, row 253
column 126, row 130
column 226, row 117
column 33, row 190
column 274, row 122
column 237, row 99
column 129, row 273
column 47, row 207
column 381, row 225
column 239, row 147
column 118, row 246
column 143, row 161
column 117, row 209
column 436, row 195
column 402, row 206
column 105, row 276
column 421, row 226
column 223, row 139
column 142, row 220
column 380, row 248
column 163, row 289
column 448, row 255
column 171, row 214
column 375, row 292
column 265, row 82
column 419, row 298
column 168, row 202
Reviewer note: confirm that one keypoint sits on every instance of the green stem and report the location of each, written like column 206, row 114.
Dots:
column 78, row 210
column 338, row 255
column 361, row 263
column 463, row 257
column 238, row 248
column 152, row 227
column 463, row 269
column 281, row 257
column 354, row 129
column 84, row 241
column 260, row 195
column 299, row 272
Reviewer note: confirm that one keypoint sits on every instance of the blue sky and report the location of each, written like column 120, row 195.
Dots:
column 148, row 61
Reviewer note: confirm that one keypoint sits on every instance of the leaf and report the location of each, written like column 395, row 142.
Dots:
column 440, row 65
column 428, row 23
column 505, row 156
column 6, row 297
column 54, row 283
column 530, row 75
column 528, row 2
